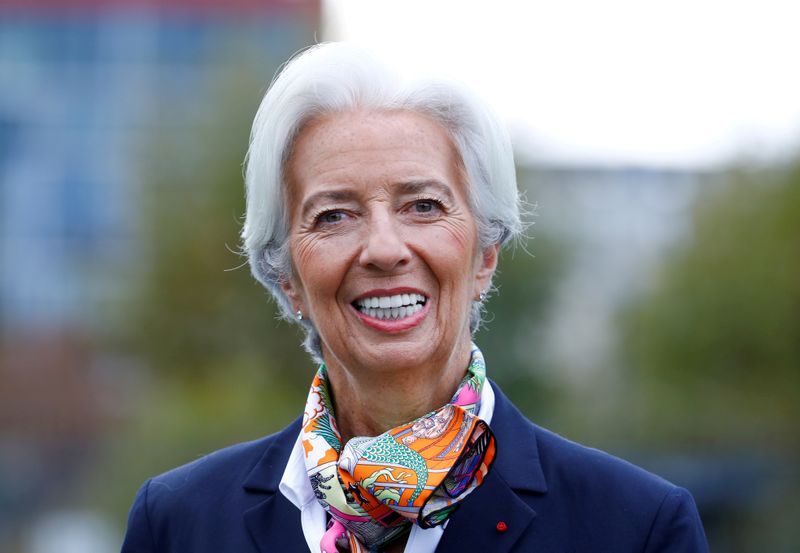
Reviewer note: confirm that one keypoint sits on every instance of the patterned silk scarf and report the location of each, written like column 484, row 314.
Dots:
column 376, row 488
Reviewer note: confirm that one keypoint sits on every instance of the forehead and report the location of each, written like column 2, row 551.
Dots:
column 368, row 148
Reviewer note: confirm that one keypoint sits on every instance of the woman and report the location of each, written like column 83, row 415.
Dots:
column 375, row 212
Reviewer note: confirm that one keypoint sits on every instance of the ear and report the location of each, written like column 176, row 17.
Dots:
column 486, row 267
column 292, row 292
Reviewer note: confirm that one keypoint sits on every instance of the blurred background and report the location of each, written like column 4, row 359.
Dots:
column 654, row 312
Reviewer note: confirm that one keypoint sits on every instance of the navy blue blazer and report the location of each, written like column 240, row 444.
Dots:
column 551, row 495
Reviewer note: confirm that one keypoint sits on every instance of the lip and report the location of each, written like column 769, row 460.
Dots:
column 388, row 325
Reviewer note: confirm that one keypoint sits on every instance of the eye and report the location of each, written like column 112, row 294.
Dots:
column 426, row 206
column 331, row 217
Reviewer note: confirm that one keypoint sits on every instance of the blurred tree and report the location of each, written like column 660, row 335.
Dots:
column 199, row 307
column 513, row 334
column 713, row 349
column 715, row 345
column 217, row 365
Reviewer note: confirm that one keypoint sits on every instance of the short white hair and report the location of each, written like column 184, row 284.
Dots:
column 338, row 77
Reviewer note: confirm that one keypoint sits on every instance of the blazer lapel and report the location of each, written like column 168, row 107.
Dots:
column 496, row 516
column 274, row 523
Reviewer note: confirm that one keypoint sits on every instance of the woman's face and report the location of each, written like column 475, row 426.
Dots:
column 384, row 247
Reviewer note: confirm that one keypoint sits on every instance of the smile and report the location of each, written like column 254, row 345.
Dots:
column 397, row 306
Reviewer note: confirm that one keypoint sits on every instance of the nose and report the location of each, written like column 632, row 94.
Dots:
column 384, row 246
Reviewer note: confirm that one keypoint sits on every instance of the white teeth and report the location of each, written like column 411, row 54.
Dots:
column 397, row 306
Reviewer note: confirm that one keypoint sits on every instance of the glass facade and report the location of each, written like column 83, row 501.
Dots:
column 82, row 90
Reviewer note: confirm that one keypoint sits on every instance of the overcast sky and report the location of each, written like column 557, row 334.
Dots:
column 684, row 83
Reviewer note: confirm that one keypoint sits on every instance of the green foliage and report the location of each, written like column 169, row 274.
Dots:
column 714, row 347
column 712, row 352
column 178, row 422
column 199, row 307
column 511, row 338
column 219, row 365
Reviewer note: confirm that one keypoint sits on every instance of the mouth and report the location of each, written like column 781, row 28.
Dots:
column 391, row 307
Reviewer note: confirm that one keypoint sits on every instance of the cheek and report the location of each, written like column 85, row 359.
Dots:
column 306, row 264
column 451, row 252
column 303, row 253
column 456, row 243
column 318, row 262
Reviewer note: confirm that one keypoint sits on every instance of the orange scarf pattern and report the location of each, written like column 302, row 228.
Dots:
column 376, row 488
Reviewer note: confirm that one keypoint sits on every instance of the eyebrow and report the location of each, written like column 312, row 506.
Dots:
column 420, row 186
column 326, row 196
column 403, row 188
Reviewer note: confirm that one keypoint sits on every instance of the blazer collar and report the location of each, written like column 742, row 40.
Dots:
column 517, row 458
column 497, row 517
column 274, row 522
column 267, row 472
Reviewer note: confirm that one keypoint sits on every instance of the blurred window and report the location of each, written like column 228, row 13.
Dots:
column 183, row 41
column 9, row 132
column 70, row 40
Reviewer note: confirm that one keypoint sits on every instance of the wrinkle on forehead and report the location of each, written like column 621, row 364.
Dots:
column 338, row 133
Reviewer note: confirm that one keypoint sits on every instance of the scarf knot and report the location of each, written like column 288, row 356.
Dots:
column 375, row 488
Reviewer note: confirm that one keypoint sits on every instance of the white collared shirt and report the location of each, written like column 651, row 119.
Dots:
column 296, row 487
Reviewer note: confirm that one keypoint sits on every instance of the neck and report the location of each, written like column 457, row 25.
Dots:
column 370, row 402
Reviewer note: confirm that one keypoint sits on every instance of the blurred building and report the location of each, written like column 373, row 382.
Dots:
column 616, row 223
column 85, row 85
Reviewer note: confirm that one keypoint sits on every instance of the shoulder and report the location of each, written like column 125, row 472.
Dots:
column 628, row 501
column 216, row 469
column 590, row 498
column 567, row 463
column 554, row 463
column 180, row 499
column 551, row 460
column 230, row 467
